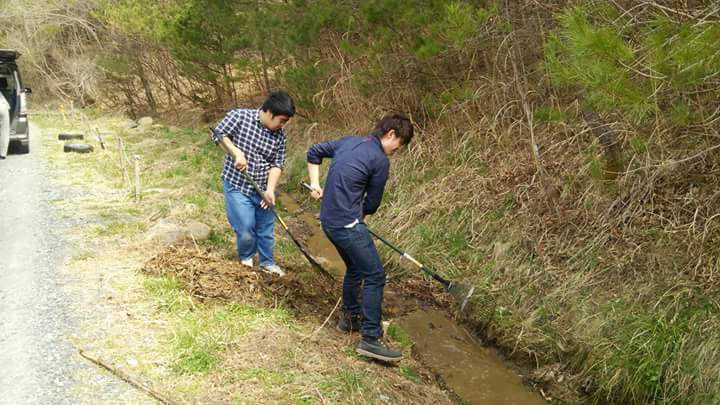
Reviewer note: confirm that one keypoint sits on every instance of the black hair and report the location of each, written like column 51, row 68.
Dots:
column 279, row 103
column 399, row 122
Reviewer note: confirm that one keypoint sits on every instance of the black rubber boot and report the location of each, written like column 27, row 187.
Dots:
column 349, row 323
column 375, row 348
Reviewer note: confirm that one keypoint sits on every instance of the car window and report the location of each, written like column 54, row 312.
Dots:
column 7, row 82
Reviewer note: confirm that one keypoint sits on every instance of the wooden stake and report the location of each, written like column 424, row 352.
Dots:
column 121, row 149
column 99, row 137
column 136, row 158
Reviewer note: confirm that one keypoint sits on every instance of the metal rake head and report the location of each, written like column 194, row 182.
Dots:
column 474, row 301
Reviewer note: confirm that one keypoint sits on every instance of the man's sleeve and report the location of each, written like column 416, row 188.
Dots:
column 226, row 127
column 376, row 187
column 280, row 155
column 317, row 152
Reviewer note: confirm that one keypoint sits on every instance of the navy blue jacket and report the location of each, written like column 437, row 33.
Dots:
column 356, row 180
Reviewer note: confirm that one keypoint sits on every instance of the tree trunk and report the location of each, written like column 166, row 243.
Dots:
column 146, row 86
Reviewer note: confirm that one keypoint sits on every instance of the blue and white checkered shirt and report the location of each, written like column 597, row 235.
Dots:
column 263, row 148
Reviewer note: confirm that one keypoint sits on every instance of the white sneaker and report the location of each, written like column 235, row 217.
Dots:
column 247, row 262
column 273, row 269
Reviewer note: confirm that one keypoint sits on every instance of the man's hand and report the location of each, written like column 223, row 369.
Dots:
column 268, row 199
column 316, row 192
column 240, row 161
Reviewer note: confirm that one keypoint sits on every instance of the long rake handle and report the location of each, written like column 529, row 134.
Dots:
column 307, row 255
column 422, row 267
column 449, row 285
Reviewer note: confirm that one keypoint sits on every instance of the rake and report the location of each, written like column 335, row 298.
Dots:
column 305, row 253
column 468, row 297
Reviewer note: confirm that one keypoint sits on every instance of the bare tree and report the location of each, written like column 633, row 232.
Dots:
column 54, row 38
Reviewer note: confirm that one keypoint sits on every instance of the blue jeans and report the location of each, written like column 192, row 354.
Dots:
column 253, row 225
column 356, row 248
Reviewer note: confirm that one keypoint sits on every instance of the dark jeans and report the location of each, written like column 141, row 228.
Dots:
column 356, row 247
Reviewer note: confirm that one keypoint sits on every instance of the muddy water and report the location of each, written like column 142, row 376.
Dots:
column 318, row 245
column 474, row 373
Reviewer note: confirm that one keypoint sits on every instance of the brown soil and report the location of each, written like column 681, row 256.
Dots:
column 208, row 277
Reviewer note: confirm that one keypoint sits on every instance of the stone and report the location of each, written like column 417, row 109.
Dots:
column 130, row 124
column 167, row 233
column 198, row 230
column 145, row 122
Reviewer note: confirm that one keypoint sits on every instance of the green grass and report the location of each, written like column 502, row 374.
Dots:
column 286, row 248
column 116, row 213
column 548, row 114
column 347, row 383
column 219, row 240
column 652, row 351
column 202, row 201
column 202, row 336
column 177, row 172
column 295, row 171
column 265, row 376
column 194, row 357
column 168, row 294
column 121, row 229
column 201, row 333
column 410, row 373
column 399, row 336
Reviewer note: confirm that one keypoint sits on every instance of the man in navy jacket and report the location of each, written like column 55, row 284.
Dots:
column 353, row 189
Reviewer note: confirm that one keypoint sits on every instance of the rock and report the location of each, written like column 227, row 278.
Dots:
column 198, row 230
column 145, row 122
column 167, row 233
column 130, row 124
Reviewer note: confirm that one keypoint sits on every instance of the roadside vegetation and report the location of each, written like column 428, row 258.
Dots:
column 567, row 157
column 251, row 346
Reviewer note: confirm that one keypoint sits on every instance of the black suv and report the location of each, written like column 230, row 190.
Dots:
column 15, row 94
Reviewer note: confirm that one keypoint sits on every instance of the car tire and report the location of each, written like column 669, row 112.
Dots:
column 23, row 148
column 66, row 137
column 77, row 147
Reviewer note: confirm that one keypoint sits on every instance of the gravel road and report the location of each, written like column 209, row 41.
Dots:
column 38, row 364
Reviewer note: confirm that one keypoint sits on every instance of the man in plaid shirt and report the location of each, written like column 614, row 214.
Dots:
column 256, row 144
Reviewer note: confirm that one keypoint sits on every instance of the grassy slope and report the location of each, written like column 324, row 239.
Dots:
column 591, row 275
